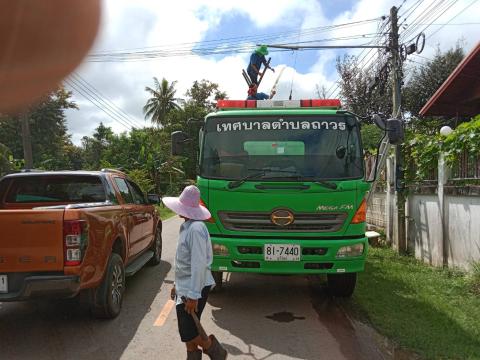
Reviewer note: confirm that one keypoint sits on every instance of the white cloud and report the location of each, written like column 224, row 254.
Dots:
column 145, row 23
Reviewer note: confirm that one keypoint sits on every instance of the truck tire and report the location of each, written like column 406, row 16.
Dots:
column 156, row 248
column 342, row 285
column 108, row 297
column 218, row 277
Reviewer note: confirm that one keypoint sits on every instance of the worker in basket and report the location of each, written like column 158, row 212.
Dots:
column 256, row 60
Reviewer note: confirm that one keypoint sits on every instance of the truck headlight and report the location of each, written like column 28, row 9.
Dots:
column 220, row 250
column 350, row 251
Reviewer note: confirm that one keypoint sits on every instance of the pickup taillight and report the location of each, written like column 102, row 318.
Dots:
column 75, row 240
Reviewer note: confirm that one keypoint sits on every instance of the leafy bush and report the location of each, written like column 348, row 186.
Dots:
column 422, row 150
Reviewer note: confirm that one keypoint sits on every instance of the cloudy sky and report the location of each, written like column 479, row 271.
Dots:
column 180, row 36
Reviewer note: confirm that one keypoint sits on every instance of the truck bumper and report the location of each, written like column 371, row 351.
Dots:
column 28, row 286
column 324, row 261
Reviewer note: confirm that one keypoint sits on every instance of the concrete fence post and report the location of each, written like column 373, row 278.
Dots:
column 443, row 176
column 389, row 197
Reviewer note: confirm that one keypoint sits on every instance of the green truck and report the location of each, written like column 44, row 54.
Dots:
column 285, row 183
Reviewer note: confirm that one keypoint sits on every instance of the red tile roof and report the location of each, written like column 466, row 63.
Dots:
column 459, row 95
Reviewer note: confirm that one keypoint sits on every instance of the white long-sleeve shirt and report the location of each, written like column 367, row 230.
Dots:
column 193, row 260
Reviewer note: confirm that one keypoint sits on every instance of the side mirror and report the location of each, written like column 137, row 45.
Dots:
column 379, row 121
column 154, row 199
column 341, row 151
column 395, row 131
column 178, row 142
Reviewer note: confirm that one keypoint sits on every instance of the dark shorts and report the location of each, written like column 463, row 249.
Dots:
column 186, row 326
column 253, row 76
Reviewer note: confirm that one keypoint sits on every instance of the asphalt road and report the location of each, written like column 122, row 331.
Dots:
column 255, row 317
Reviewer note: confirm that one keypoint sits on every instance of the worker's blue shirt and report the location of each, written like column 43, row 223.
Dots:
column 193, row 260
column 259, row 96
column 257, row 60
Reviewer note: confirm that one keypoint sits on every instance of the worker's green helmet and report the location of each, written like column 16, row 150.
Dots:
column 262, row 50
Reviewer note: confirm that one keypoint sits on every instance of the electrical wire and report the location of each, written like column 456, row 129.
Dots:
column 78, row 88
column 108, row 103
column 447, row 23
column 221, row 46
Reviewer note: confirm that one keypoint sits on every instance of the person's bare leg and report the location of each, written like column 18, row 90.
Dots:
column 199, row 342
column 193, row 352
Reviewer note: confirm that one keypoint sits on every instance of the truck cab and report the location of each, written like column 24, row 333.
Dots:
column 285, row 183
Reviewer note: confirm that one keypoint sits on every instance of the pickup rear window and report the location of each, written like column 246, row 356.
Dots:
column 55, row 189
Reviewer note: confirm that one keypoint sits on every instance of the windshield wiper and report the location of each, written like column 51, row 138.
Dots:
column 237, row 183
column 327, row 184
column 261, row 172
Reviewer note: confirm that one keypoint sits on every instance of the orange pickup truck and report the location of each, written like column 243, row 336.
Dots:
column 70, row 232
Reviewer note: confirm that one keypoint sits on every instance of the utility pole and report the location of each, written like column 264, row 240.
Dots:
column 399, row 236
column 27, row 140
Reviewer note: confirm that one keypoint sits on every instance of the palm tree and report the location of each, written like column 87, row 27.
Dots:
column 162, row 101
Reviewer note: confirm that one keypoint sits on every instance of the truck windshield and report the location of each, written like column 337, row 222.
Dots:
column 57, row 189
column 297, row 148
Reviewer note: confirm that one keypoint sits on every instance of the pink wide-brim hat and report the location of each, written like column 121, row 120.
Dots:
column 188, row 204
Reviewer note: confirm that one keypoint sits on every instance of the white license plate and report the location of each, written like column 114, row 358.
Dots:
column 281, row 252
column 3, row 284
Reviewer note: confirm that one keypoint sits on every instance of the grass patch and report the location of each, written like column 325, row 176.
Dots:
column 165, row 213
column 431, row 311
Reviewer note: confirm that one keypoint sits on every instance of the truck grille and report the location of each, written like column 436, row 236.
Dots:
column 260, row 221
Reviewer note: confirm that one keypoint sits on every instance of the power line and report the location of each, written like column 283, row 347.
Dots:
column 109, row 103
column 95, row 102
column 333, row 90
column 447, row 23
column 438, row 16
column 220, row 47
column 423, row 16
column 253, row 38
column 436, row 13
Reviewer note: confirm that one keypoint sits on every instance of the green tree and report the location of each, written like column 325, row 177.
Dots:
column 424, row 80
column 162, row 101
column 357, row 92
column 204, row 94
column 94, row 147
column 48, row 131
column 371, row 136
column 201, row 99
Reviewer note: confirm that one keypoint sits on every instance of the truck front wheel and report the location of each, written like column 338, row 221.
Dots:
column 107, row 299
column 342, row 285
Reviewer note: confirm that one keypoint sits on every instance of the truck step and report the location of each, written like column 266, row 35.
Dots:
column 138, row 263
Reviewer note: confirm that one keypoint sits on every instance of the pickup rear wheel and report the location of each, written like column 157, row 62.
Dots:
column 342, row 285
column 156, row 248
column 108, row 297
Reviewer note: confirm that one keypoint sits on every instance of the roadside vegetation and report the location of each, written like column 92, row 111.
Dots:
column 433, row 312
column 165, row 213
column 143, row 153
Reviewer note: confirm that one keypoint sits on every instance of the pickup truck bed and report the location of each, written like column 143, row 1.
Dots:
column 53, row 243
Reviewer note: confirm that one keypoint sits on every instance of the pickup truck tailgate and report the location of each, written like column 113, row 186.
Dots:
column 31, row 240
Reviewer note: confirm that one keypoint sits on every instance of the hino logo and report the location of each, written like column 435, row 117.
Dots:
column 282, row 217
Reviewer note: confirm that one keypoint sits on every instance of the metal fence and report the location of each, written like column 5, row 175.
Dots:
column 467, row 167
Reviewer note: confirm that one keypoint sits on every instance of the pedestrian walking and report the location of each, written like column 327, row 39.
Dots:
column 193, row 278
column 256, row 60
